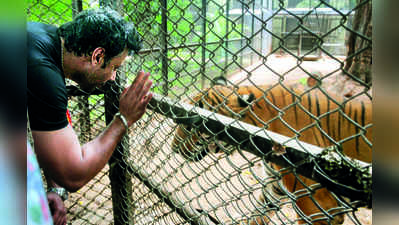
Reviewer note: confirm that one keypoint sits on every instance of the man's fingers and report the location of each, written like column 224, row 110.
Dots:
column 135, row 84
column 64, row 220
column 58, row 219
column 148, row 86
column 124, row 91
column 138, row 84
column 138, row 79
column 142, row 85
column 147, row 99
column 145, row 89
column 59, row 216
column 134, row 100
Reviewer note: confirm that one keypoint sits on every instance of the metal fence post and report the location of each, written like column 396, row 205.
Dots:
column 224, row 72
column 77, row 6
column 253, row 41
column 203, row 41
column 242, row 33
column 261, row 33
column 164, row 44
column 120, row 178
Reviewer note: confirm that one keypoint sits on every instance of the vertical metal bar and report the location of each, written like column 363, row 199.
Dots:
column 283, row 29
column 203, row 40
column 252, row 31
column 164, row 46
column 114, row 4
column 242, row 34
column 261, row 27
column 77, row 7
column 226, row 57
column 120, row 178
column 105, row 3
column 299, row 43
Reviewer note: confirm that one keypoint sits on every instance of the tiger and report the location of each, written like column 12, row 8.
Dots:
column 311, row 116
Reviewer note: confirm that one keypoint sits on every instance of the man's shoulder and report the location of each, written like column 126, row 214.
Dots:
column 33, row 27
column 43, row 47
column 46, row 91
column 44, row 34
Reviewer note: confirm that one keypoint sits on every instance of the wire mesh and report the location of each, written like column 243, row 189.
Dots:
column 193, row 177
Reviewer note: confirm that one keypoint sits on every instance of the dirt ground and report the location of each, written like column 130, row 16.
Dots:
column 227, row 186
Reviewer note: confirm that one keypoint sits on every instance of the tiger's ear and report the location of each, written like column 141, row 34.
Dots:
column 311, row 82
column 245, row 100
column 200, row 104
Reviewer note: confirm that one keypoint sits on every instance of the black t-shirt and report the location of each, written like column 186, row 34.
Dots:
column 47, row 95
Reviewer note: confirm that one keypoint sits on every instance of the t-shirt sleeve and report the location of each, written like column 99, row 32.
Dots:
column 47, row 99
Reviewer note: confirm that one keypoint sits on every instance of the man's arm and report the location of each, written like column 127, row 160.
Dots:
column 71, row 165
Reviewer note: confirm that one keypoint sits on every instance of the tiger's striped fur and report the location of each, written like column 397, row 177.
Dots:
column 310, row 115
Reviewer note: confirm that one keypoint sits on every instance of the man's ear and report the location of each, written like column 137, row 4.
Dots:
column 98, row 56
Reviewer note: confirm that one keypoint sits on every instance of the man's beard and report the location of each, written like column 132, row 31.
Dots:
column 87, row 87
column 84, row 83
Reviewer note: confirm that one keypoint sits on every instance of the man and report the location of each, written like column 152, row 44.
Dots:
column 87, row 50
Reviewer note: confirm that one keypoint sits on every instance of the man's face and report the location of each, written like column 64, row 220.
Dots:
column 96, row 75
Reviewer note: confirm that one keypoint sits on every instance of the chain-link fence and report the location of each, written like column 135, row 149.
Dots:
column 209, row 150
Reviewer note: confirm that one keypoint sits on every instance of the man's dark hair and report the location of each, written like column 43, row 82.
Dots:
column 102, row 27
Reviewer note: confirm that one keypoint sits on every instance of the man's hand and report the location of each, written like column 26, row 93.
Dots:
column 134, row 99
column 57, row 208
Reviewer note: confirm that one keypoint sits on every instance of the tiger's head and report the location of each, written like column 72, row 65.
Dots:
column 194, row 145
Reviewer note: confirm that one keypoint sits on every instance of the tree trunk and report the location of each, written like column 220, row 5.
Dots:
column 359, row 56
column 77, row 7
